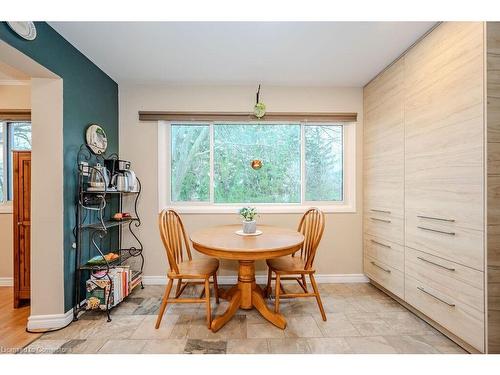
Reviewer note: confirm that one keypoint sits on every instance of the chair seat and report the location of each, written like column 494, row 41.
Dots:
column 196, row 268
column 288, row 265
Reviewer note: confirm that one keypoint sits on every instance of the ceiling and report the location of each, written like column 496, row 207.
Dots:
column 273, row 53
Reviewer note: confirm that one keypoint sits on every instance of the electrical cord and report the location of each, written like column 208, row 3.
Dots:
column 50, row 330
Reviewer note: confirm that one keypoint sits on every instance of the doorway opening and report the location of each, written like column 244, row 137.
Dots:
column 30, row 100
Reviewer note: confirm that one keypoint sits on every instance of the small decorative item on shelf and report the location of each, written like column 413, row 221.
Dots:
column 119, row 216
column 249, row 224
column 99, row 259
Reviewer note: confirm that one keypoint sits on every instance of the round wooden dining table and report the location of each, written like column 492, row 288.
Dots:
column 223, row 242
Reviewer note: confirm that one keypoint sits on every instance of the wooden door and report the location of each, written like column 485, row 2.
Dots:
column 22, row 225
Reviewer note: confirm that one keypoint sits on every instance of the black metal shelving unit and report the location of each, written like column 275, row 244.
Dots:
column 96, row 233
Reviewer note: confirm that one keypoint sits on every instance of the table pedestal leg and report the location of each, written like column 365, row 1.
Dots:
column 246, row 295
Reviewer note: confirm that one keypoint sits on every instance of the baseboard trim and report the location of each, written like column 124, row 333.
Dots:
column 52, row 321
column 262, row 279
column 6, row 281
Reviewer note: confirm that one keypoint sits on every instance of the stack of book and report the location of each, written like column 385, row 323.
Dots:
column 100, row 287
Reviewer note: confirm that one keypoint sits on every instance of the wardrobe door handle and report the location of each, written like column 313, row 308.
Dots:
column 382, row 268
column 381, row 244
column 436, row 218
column 382, row 211
column 437, row 231
column 436, row 297
column 382, row 220
column 436, row 264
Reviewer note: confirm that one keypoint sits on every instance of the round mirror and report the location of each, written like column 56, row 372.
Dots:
column 97, row 141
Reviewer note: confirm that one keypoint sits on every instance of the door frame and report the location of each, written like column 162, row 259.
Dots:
column 47, row 184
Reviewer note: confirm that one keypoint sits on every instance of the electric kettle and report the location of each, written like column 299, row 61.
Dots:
column 99, row 177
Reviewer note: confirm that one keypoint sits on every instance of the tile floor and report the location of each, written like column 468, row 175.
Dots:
column 361, row 319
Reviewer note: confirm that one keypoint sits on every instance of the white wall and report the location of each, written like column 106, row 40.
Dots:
column 341, row 249
column 15, row 96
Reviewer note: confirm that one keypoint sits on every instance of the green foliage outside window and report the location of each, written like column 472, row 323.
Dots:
column 277, row 146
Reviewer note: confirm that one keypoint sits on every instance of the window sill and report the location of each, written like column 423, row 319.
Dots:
column 6, row 208
column 263, row 209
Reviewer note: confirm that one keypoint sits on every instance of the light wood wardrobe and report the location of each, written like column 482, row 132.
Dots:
column 432, row 181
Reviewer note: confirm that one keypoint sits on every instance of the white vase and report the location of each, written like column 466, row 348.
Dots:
column 249, row 227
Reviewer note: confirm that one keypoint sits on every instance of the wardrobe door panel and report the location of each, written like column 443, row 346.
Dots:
column 444, row 137
column 384, row 143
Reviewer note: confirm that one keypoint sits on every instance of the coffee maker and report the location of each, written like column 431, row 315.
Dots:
column 122, row 177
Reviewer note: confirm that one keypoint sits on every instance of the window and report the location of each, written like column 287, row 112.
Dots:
column 206, row 167
column 13, row 136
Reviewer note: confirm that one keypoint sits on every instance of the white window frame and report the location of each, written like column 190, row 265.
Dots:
column 6, row 204
column 347, row 205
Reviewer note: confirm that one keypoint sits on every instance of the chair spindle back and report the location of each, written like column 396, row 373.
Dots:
column 174, row 238
column 311, row 226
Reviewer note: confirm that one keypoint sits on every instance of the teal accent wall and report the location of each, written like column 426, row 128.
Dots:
column 90, row 96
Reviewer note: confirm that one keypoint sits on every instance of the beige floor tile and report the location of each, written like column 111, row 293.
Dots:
column 329, row 345
column 182, row 325
column 147, row 330
column 370, row 324
column 149, row 291
column 77, row 346
column 404, row 322
column 247, row 346
column 252, row 316
column 364, row 288
column 370, row 345
column 336, row 289
column 302, row 326
column 121, row 327
column 298, row 306
column 411, row 344
column 289, row 346
column 352, row 310
column 80, row 329
column 234, row 329
column 122, row 347
column 128, row 306
column 185, row 308
column 263, row 330
column 336, row 304
column 337, row 325
column 171, row 346
column 442, row 343
column 369, row 303
column 43, row 346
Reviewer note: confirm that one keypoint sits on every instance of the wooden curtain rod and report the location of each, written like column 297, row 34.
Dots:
column 15, row 115
column 247, row 116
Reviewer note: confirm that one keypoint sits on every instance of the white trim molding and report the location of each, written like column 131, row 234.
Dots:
column 53, row 321
column 262, row 279
column 6, row 207
column 15, row 82
column 6, row 281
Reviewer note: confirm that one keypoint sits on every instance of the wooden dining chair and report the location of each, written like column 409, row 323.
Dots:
column 300, row 264
column 183, row 267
